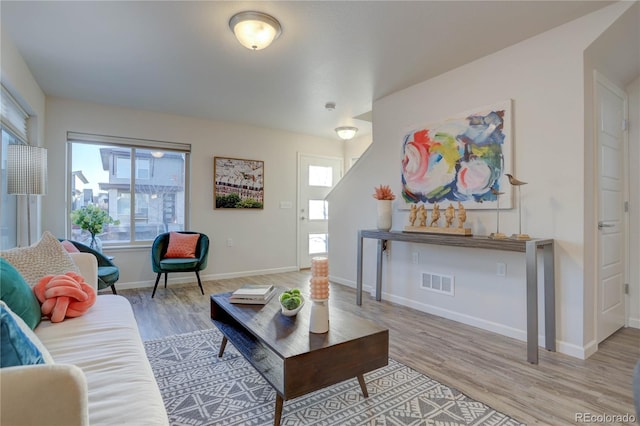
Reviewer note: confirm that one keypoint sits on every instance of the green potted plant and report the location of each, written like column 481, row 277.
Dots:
column 92, row 218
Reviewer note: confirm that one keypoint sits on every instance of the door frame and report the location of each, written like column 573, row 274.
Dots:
column 599, row 78
column 298, row 195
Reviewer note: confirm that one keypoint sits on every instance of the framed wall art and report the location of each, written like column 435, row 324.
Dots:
column 238, row 183
column 462, row 159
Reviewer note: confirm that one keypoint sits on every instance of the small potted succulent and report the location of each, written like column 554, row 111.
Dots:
column 291, row 301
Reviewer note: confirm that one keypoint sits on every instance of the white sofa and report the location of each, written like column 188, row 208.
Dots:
column 100, row 375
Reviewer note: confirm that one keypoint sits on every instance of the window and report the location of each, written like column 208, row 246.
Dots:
column 142, row 169
column 321, row 176
column 318, row 210
column 9, row 213
column 318, row 244
column 13, row 124
column 153, row 201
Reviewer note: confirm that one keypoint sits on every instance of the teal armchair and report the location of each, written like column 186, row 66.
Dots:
column 108, row 272
column 164, row 266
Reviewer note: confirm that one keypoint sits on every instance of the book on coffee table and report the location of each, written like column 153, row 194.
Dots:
column 253, row 294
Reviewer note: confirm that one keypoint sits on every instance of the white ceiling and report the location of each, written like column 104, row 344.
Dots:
column 181, row 58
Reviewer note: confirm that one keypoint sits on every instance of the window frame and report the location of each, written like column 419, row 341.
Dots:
column 133, row 145
column 11, row 202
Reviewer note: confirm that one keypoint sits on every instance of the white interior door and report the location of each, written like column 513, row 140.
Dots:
column 611, row 113
column 316, row 177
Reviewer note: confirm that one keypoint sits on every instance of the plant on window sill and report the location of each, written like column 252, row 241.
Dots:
column 92, row 219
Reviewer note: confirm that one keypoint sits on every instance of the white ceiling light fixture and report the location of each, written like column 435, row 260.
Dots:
column 255, row 30
column 346, row 132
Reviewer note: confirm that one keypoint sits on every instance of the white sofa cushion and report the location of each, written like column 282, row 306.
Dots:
column 106, row 345
column 88, row 266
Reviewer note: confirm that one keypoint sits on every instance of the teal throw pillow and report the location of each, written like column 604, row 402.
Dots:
column 15, row 346
column 17, row 294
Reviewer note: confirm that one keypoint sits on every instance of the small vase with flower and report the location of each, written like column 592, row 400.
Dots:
column 92, row 219
column 385, row 197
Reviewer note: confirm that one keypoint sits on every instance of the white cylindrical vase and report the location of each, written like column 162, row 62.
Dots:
column 384, row 215
column 319, row 321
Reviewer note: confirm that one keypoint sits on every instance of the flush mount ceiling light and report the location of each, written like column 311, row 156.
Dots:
column 255, row 30
column 346, row 132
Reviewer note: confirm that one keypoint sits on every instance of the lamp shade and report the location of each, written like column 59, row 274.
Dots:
column 346, row 132
column 255, row 30
column 26, row 170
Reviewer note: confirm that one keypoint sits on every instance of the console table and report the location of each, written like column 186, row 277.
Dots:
column 528, row 247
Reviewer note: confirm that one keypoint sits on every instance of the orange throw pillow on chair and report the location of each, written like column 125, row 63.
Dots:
column 64, row 296
column 182, row 245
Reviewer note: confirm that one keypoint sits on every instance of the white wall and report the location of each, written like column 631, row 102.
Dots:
column 263, row 240
column 355, row 148
column 544, row 77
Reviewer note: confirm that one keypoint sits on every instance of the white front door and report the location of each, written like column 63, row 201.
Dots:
column 611, row 113
column 316, row 177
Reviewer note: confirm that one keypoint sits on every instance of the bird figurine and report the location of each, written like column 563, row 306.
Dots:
column 497, row 235
column 513, row 181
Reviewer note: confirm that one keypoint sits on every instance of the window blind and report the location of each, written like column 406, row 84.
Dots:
column 12, row 116
column 129, row 142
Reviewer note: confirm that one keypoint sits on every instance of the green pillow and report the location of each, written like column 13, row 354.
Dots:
column 17, row 294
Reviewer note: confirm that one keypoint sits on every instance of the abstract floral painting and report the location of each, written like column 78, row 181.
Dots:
column 461, row 159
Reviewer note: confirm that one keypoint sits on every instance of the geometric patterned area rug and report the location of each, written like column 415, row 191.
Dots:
column 199, row 388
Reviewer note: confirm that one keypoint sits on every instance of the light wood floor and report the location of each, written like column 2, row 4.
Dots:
column 484, row 365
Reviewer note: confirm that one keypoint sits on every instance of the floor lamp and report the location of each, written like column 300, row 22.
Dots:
column 27, row 174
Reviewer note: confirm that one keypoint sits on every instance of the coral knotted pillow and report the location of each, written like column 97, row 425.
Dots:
column 182, row 245
column 64, row 296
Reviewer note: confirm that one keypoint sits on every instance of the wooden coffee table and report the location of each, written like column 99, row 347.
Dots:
column 289, row 357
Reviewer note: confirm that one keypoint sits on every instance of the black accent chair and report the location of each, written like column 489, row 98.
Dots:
column 161, row 265
column 108, row 272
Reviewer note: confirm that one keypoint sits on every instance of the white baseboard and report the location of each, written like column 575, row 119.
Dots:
column 348, row 283
column 189, row 277
column 582, row 353
column 561, row 346
column 634, row 322
column 460, row 317
column 342, row 281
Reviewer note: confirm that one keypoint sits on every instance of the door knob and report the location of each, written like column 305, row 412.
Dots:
column 604, row 225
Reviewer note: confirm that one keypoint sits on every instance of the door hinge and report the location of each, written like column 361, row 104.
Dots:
column 626, row 207
column 626, row 289
column 625, row 125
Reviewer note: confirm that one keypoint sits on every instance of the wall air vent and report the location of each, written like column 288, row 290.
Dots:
column 438, row 283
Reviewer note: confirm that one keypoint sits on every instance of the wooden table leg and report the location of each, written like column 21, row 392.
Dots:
column 363, row 386
column 278, row 414
column 222, row 346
